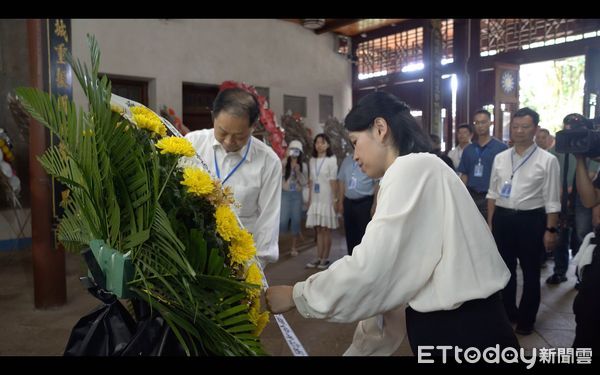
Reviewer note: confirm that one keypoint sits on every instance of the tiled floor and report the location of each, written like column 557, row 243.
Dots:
column 555, row 326
column 27, row 331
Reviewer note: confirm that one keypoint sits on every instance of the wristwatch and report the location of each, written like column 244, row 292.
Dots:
column 551, row 229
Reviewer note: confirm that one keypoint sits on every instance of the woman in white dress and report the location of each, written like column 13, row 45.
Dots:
column 321, row 210
column 427, row 249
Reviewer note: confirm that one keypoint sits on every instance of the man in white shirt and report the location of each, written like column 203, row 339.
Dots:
column 523, row 207
column 250, row 167
column 464, row 133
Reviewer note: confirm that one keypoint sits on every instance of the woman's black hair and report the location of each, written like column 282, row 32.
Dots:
column 407, row 134
column 288, row 165
column 326, row 138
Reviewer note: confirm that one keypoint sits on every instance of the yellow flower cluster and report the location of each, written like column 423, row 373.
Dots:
column 198, row 182
column 254, row 311
column 254, row 277
column 227, row 226
column 263, row 319
column 242, row 247
column 257, row 318
column 176, row 146
column 146, row 119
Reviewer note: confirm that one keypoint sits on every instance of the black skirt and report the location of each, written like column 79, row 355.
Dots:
column 479, row 323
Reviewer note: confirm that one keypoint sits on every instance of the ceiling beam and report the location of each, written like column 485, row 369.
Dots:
column 335, row 24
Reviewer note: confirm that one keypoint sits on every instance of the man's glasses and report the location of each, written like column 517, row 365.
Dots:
column 484, row 122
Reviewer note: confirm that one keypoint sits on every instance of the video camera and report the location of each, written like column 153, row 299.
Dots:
column 578, row 137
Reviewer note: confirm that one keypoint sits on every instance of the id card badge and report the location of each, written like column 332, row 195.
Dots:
column 478, row 170
column 292, row 186
column 505, row 191
column 353, row 183
column 317, row 188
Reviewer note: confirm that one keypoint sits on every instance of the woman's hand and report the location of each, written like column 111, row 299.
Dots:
column 279, row 299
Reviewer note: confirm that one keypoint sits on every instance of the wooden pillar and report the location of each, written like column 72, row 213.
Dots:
column 591, row 97
column 461, row 57
column 49, row 282
column 473, row 67
column 432, row 60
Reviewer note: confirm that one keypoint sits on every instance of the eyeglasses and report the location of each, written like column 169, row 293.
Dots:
column 483, row 122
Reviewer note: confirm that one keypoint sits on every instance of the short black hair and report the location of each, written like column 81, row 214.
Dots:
column 237, row 102
column 483, row 112
column 526, row 111
column 407, row 134
column 465, row 126
column 544, row 130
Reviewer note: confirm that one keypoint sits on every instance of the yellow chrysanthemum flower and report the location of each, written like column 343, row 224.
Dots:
column 198, row 182
column 227, row 226
column 242, row 247
column 254, row 311
column 253, row 277
column 263, row 319
column 176, row 146
column 146, row 119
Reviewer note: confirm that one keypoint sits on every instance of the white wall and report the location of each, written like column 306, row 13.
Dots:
column 280, row 55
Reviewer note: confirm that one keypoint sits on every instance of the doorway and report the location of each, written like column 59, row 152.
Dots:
column 553, row 89
column 197, row 105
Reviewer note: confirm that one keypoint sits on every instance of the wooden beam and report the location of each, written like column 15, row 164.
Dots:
column 554, row 52
column 335, row 24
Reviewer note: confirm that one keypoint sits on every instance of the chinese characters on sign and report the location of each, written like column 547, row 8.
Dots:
column 60, row 85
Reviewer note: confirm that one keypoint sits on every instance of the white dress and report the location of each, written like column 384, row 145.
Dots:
column 321, row 212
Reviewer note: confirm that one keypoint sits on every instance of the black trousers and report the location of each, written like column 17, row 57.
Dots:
column 480, row 201
column 357, row 214
column 520, row 235
column 479, row 323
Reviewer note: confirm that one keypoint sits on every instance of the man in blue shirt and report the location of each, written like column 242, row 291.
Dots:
column 477, row 159
column 359, row 192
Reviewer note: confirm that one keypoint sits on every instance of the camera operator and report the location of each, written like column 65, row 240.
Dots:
column 575, row 218
column 586, row 305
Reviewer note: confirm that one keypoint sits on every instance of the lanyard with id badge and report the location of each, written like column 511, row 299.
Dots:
column 478, row 172
column 507, row 186
column 292, row 184
column 317, row 187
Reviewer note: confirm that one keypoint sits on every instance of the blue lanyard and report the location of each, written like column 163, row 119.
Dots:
column 520, row 165
column 234, row 168
column 480, row 151
column 319, row 168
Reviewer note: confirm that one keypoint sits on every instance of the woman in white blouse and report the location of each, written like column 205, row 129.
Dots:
column 427, row 248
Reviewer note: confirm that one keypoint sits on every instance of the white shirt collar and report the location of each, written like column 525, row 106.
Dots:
column 217, row 145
